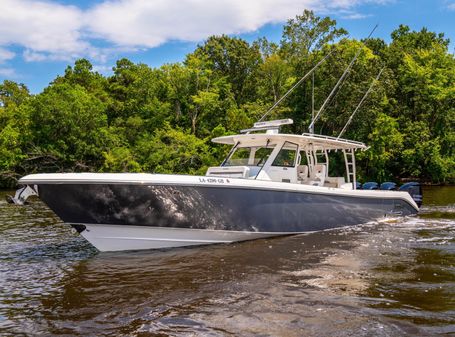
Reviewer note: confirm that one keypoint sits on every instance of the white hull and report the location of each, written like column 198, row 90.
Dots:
column 116, row 238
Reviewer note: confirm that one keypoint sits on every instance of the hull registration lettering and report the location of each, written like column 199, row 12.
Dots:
column 214, row 180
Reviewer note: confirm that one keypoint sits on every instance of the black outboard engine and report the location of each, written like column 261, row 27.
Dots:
column 388, row 186
column 358, row 185
column 371, row 185
column 415, row 190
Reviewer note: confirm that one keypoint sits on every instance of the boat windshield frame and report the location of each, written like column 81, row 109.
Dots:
column 251, row 158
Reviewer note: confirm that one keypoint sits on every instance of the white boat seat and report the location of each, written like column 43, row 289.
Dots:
column 302, row 173
column 317, row 177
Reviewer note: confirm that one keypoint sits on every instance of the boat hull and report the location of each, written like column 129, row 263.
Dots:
column 116, row 216
column 117, row 238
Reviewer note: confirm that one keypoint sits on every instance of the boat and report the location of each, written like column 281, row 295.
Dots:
column 270, row 184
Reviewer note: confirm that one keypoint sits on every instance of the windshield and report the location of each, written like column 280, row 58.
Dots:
column 249, row 156
column 287, row 155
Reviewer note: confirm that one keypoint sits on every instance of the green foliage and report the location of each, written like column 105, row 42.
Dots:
column 11, row 155
column 162, row 119
column 68, row 129
column 171, row 150
column 234, row 59
column 307, row 33
column 12, row 94
column 386, row 144
column 120, row 159
column 275, row 77
column 13, row 129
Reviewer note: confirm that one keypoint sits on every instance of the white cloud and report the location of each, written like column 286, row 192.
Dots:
column 8, row 72
column 48, row 30
column 451, row 6
column 42, row 27
column 150, row 23
column 6, row 55
column 354, row 16
column 103, row 69
column 33, row 56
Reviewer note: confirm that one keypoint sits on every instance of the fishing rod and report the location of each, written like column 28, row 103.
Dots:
column 295, row 86
column 361, row 102
column 341, row 79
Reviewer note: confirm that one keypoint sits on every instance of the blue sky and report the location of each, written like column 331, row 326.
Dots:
column 39, row 39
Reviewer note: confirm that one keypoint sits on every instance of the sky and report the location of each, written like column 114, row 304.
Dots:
column 40, row 38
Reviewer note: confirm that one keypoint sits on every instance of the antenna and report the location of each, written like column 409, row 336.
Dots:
column 312, row 103
column 294, row 86
column 361, row 102
column 343, row 76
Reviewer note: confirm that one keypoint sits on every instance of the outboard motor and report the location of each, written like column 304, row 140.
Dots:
column 415, row 190
column 371, row 185
column 22, row 195
column 388, row 186
column 358, row 185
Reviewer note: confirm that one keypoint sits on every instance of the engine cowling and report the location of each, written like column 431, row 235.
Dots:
column 415, row 190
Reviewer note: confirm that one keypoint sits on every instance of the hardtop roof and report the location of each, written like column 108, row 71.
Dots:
column 319, row 142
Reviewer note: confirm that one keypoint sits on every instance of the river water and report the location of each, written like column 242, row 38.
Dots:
column 393, row 278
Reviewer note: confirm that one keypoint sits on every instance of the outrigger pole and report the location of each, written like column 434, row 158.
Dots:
column 343, row 76
column 295, row 86
column 360, row 103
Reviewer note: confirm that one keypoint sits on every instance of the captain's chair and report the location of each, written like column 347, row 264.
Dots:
column 317, row 176
column 302, row 173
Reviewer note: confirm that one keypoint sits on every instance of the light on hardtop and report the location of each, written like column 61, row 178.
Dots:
column 273, row 124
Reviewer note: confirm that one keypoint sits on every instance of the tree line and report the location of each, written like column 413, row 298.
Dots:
column 143, row 119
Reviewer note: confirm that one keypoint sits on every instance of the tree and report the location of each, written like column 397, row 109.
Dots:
column 199, row 96
column 139, row 100
column 234, row 59
column 68, row 129
column 304, row 42
column 171, row 150
column 13, row 130
column 12, row 94
column 308, row 33
column 274, row 73
column 424, row 94
column 385, row 146
column 120, row 159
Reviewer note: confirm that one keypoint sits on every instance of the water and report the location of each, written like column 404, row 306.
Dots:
column 394, row 278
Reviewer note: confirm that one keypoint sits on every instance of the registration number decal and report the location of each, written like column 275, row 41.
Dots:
column 214, row 180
